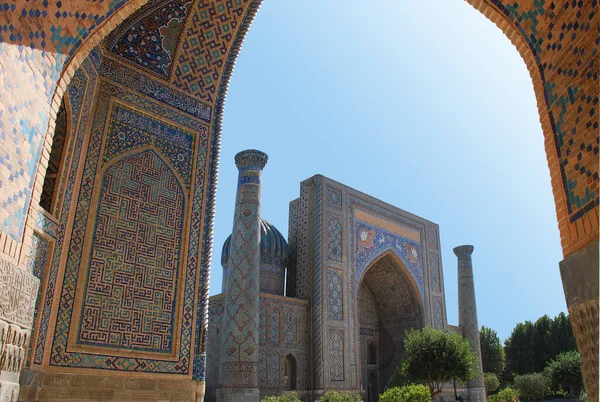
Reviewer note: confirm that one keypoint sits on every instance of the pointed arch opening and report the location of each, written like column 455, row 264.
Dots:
column 289, row 376
column 389, row 305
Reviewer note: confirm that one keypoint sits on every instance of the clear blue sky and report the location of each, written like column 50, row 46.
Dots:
column 424, row 105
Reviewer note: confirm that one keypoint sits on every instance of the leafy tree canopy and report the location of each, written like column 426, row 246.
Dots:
column 437, row 357
column 492, row 352
column 532, row 387
column 532, row 345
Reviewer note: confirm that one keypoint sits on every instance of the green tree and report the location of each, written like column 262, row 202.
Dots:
column 544, row 347
column 562, row 334
column 492, row 352
column 437, row 357
column 519, row 349
column 564, row 372
column 399, row 378
column 533, row 386
column 407, row 393
column 532, row 345
column 491, row 382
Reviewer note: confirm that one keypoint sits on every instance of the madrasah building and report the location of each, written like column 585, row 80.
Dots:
column 328, row 308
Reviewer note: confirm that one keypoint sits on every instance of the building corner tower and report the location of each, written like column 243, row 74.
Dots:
column 467, row 317
column 240, row 332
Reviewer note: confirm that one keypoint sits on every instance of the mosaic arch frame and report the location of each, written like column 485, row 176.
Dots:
column 73, row 37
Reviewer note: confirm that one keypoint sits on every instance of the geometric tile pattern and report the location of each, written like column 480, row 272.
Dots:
column 130, row 298
column 274, row 370
column 334, row 239
column 291, row 327
column 274, row 326
column 438, row 314
column 336, row 355
column 73, row 157
column 149, row 86
column 130, row 129
column 317, row 283
column 434, row 268
column 334, row 197
column 64, row 353
column 372, row 240
column 336, row 311
column 205, row 45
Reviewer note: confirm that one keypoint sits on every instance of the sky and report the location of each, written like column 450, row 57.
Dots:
column 424, row 105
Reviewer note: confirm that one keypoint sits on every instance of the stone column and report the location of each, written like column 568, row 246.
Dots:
column 579, row 273
column 239, row 350
column 467, row 317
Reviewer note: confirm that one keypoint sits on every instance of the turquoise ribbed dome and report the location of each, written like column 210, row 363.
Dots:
column 273, row 246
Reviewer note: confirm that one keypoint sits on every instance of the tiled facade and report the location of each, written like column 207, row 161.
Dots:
column 372, row 254
column 43, row 44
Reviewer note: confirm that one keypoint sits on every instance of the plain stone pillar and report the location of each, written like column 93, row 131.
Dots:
column 467, row 316
column 239, row 350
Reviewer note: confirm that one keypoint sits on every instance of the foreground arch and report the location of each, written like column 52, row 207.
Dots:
column 43, row 44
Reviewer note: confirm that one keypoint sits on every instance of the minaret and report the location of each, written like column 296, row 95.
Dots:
column 239, row 349
column 467, row 316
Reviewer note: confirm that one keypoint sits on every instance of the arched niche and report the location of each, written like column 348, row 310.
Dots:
column 389, row 305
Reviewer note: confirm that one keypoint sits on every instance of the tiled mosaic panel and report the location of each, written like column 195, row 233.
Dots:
column 130, row 297
column 290, row 320
column 334, row 239
column 336, row 355
column 274, row 370
column 274, row 325
column 205, row 46
column 59, row 355
column 85, row 85
column 438, row 314
column 148, row 85
column 334, row 197
column 150, row 39
column 371, row 241
column 434, row 268
column 130, row 129
column 335, row 295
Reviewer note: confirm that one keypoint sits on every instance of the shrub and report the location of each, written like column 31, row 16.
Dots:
column 564, row 372
column 583, row 397
column 491, row 382
column 532, row 387
column 290, row 397
column 341, row 396
column 407, row 393
column 506, row 395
